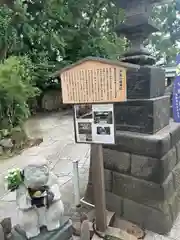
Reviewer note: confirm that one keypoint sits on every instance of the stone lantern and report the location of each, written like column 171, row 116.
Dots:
column 136, row 28
column 142, row 171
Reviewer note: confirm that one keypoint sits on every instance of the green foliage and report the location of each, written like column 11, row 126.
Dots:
column 165, row 43
column 16, row 87
column 14, row 179
column 50, row 34
column 54, row 33
column 8, row 34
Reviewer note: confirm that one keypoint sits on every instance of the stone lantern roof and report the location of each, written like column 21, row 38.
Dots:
column 136, row 28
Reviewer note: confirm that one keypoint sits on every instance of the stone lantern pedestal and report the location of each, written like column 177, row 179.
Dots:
column 142, row 171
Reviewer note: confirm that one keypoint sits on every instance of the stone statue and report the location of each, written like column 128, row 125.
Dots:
column 38, row 199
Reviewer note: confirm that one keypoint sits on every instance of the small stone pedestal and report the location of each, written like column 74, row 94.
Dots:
column 63, row 233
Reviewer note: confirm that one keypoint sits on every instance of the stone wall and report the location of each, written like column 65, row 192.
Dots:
column 52, row 100
column 142, row 176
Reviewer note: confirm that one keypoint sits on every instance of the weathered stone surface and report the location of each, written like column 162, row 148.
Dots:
column 63, row 233
column 7, row 225
column 174, row 205
column 163, row 211
column 161, row 113
column 153, row 169
column 114, row 203
column 18, row 137
column 132, row 188
column 174, row 129
column 162, row 206
column 144, row 167
column 136, row 28
column 167, row 163
column 6, row 143
column 140, row 190
column 145, row 82
column 143, row 116
column 116, row 161
column 176, row 176
column 168, row 187
column 147, row 217
column 178, row 151
column 51, row 100
column 153, row 190
column 156, row 145
column 108, row 180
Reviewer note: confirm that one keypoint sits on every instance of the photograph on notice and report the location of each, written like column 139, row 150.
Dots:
column 85, row 131
column 89, row 138
column 103, row 131
column 85, row 128
column 101, row 117
column 83, row 111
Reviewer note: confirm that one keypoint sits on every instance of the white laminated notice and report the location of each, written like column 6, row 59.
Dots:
column 94, row 123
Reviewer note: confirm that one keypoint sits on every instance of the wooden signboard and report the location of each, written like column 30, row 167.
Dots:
column 94, row 80
column 95, row 83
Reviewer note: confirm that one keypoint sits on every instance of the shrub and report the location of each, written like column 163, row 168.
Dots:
column 17, row 85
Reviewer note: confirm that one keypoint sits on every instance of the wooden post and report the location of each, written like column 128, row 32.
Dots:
column 98, row 186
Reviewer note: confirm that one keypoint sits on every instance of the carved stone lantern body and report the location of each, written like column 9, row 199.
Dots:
column 136, row 28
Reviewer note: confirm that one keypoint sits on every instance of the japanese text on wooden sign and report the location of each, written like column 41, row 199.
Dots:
column 93, row 82
column 176, row 93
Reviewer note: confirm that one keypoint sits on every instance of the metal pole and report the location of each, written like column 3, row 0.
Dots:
column 76, row 183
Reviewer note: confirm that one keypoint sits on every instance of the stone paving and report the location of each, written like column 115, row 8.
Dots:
column 60, row 150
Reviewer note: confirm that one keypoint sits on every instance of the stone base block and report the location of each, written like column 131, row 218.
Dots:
column 63, row 233
column 139, row 190
column 143, row 183
column 155, row 146
column 147, row 217
column 154, row 216
column 142, row 167
column 145, row 82
column 143, row 116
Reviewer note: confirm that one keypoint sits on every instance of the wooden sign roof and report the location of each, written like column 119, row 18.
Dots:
column 94, row 80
